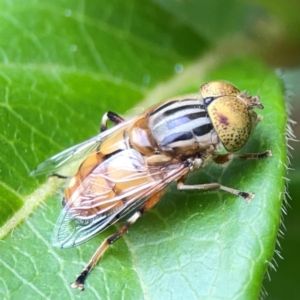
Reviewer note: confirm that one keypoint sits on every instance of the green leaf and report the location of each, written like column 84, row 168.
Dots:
column 63, row 65
column 287, row 279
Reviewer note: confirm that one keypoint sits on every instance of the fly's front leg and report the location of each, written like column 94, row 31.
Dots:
column 111, row 116
column 79, row 282
column 214, row 186
column 221, row 159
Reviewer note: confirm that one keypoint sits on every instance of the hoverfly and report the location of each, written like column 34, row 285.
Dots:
column 127, row 168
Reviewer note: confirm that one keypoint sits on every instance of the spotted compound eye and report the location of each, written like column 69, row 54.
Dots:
column 232, row 122
column 217, row 89
column 230, row 116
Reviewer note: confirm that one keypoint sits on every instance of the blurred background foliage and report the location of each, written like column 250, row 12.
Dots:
column 269, row 29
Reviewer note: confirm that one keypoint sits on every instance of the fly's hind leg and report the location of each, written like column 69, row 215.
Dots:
column 111, row 116
column 79, row 282
column 215, row 186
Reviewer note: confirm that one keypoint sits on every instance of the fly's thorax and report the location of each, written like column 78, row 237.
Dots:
column 182, row 126
column 231, row 113
column 141, row 138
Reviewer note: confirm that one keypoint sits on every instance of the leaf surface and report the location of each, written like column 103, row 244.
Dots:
column 63, row 65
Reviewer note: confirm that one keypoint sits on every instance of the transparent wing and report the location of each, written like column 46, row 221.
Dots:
column 76, row 153
column 116, row 187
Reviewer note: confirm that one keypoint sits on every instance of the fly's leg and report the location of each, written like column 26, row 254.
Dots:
column 60, row 176
column 215, row 186
column 221, row 159
column 79, row 282
column 111, row 116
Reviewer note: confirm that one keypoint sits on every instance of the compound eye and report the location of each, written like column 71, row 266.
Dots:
column 231, row 120
column 215, row 89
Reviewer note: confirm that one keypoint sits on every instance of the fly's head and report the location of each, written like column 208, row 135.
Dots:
column 231, row 113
